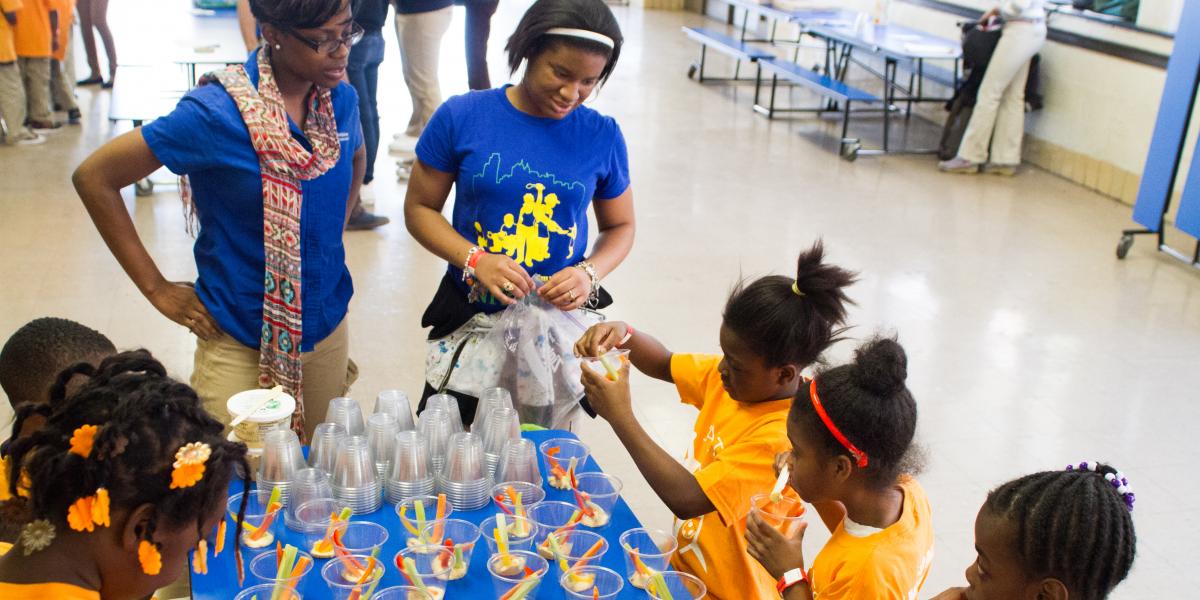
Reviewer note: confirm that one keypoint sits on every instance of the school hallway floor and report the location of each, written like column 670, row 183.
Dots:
column 1030, row 345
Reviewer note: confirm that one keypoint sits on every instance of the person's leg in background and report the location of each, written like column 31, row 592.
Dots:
column 362, row 70
column 35, row 72
column 420, row 36
column 62, row 76
column 93, row 14
column 479, row 29
column 1010, row 117
column 13, row 106
column 1010, row 58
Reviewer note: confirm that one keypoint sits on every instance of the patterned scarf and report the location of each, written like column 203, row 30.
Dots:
column 284, row 164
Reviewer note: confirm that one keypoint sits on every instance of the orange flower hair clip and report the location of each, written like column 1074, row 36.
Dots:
column 189, row 464
column 89, row 512
column 82, row 439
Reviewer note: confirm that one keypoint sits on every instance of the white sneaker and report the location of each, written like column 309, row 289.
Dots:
column 403, row 171
column 28, row 138
column 404, row 144
column 366, row 194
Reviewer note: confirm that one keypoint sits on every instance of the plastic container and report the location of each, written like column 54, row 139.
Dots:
column 342, row 579
column 520, row 533
column 679, row 586
column 601, row 583
column 599, row 493
column 275, row 414
column 460, row 535
column 265, row 590
column 557, row 454
column 784, row 516
column 508, row 572
column 646, row 551
column 265, row 568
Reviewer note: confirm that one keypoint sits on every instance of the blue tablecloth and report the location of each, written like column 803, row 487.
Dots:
column 221, row 581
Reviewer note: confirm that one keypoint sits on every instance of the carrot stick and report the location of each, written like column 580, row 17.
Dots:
column 438, row 516
column 638, row 565
column 516, row 500
column 587, row 556
column 299, row 568
column 272, row 512
column 595, row 593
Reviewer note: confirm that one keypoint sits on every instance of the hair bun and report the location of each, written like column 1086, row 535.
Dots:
column 882, row 366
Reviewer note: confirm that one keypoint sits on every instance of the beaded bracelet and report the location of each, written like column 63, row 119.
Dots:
column 594, row 293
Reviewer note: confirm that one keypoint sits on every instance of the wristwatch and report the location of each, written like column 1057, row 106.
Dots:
column 791, row 578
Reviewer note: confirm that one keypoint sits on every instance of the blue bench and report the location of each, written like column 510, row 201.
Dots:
column 824, row 85
column 738, row 49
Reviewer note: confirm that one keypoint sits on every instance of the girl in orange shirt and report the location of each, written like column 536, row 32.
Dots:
column 126, row 477
column 851, row 429
column 1055, row 535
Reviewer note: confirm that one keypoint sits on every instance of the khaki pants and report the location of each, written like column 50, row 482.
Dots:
column 12, row 103
column 224, row 367
column 420, row 36
column 36, row 74
column 998, row 120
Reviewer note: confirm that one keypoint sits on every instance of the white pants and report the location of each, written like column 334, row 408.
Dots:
column 420, row 38
column 999, row 115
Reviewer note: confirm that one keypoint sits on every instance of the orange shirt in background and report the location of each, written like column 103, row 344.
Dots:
column 66, row 16
column 732, row 458
column 8, row 48
column 889, row 565
column 32, row 35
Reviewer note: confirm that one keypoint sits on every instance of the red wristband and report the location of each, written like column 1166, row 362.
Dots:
column 628, row 334
column 475, row 256
column 789, row 579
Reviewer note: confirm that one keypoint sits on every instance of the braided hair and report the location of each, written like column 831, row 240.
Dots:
column 1075, row 526
column 144, row 417
column 870, row 404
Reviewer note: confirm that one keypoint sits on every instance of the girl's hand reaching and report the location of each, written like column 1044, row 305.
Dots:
column 601, row 338
column 610, row 399
column 776, row 553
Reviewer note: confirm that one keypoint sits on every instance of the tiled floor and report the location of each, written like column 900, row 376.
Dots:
column 1030, row 345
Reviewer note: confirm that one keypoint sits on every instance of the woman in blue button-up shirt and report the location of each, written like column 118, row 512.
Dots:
column 206, row 138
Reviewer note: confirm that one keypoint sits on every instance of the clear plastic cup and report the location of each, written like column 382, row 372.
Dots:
column 647, row 551
column 518, row 462
column 265, row 590
column 381, row 437
column 502, row 426
column 608, row 365
column 521, row 531
column 316, row 517
column 572, row 546
column 598, row 492
column 508, row 572
column 410, row 458
column 401, row 592
column 449, row 404
column 260, row 525
column 462, row 535
column 464, row 459
column 435, row 426
column 395, row 403
column 281, row 456
column 679, row 586
column 345, row 574
column 307, row 485
column 529, row 494
column 428, row 563
column 363, row 537
column 549, row 516
column 410, row 517
column 489, row 400
column 557, row 463
column 354, row 467
column 347, row 413
column 264, row 568
column 784, row 516
column 590, row 582
column 326, row 439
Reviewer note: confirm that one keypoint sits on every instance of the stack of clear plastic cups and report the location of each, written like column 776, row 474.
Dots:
column 491, row 399
column 502, row 426
column 591, row 583
column 322, row 450
column 573, row 548
column 517, row 497
column 647, row 551
column 411, row 472
column 266, row 590
column 260, row 521
column 381, row 436
column 457, row 535
column 264, row 568
column 350, row 573
column 307, row 484
column 395, row 403
column 521, row 531
column 509, row 575
column 558, row 455
column 355, row 480
column 280, row 460
column 427, row 564
column 550, row 516
column 463, row 479
column 317, row 525
column 679, row 586
column 401, row 592
column 447, row 403
column 598, row 492
column 347, row 413
column 518, row 462
column 436, row 426
column 414, row 513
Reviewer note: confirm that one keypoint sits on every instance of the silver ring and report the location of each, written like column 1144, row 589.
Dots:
column 571, row 295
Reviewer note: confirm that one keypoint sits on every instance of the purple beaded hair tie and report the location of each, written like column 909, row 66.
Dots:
column 1112, row 476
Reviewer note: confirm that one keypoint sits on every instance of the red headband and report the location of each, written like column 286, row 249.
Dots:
column 859, row 455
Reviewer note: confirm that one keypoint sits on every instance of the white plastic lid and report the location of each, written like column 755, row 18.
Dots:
column 275, row 410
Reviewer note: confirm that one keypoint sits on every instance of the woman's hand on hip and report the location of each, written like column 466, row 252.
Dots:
column 177, row 300
column 568, row 289
column 503, row 277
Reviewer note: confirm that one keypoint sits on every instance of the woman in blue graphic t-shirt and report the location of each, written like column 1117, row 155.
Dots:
column 526, row 162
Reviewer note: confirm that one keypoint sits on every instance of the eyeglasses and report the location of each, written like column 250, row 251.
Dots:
column 330, row 46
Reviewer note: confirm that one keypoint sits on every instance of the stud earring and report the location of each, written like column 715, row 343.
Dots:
column 278, row 47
